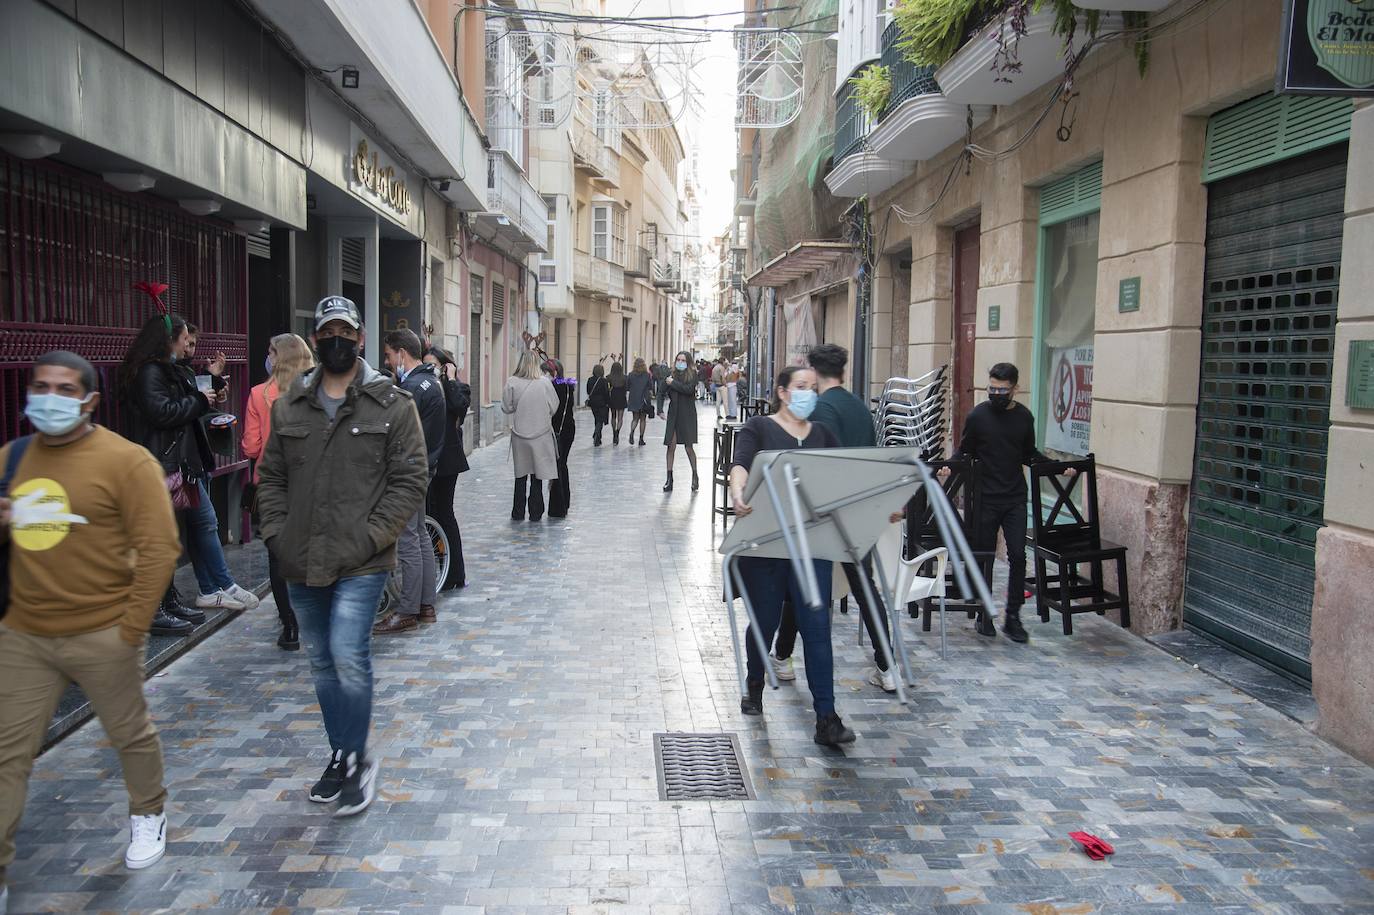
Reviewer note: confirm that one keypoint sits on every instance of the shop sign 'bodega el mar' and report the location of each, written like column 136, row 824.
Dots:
column 1327, row 48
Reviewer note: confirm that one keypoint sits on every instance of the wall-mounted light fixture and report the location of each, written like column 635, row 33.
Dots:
column 350, row 78
column 130, row 182
column 443, row 186
column 29, row 145
column 200, row 206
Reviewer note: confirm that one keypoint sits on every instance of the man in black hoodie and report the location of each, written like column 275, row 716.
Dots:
column 414, row 553
column 1000, row 435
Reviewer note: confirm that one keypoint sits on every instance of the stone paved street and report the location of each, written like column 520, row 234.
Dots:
column 519, row 775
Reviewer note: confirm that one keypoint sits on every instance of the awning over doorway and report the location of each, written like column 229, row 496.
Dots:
column 800, row 260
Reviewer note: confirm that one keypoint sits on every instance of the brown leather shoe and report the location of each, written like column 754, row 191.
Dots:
column 427, row 614
column 395, row 624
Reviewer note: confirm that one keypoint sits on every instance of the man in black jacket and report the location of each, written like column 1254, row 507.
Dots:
column 1000, row 435
column 414, row 554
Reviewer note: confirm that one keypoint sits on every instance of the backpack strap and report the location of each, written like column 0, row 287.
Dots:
column 17, row 449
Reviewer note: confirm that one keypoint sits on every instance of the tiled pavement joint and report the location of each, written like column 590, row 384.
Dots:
column 518, row 773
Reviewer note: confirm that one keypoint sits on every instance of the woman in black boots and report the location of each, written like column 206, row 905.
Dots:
column 618, row 399
column 640, row 385
column 682, row 416
column 599, row 399
column 564, row 430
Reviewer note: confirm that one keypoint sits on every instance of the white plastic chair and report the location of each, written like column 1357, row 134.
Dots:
column 911, row 586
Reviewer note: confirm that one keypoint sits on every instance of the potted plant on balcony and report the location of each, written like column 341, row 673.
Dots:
column 943, row 34
column 873, row 89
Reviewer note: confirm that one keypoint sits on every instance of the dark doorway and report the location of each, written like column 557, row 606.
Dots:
column 966, row 242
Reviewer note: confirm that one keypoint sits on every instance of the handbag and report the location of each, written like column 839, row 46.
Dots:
column 11, row 465
column 184, row 493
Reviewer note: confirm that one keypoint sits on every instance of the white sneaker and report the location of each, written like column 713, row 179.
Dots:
column 220, row 600
column 243, row 596
column 148, row 841
column 883, row 679
column 4, row 899
column 783, row 668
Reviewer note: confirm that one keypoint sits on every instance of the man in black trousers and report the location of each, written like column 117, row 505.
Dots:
column 1000, row 435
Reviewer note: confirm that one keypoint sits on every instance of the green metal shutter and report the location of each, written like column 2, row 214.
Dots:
column 1259, row 476
column 1272, row 128
column 1073, row 195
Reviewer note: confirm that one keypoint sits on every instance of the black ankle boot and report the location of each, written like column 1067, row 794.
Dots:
column 615, row 436
column 668, row 487
column 831, row 732
column 290, row 638
column 752, row 704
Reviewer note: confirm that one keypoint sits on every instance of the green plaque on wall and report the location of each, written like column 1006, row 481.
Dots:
column 994, row 317
column 1359, row 383
column 1128, row 295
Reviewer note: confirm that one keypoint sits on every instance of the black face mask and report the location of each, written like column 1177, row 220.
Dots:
column 338, row 354
column 1000, row 401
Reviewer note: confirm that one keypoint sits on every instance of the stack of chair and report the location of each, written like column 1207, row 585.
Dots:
column 912, row 413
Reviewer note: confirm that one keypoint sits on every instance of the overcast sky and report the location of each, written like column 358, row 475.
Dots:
column 709, row 129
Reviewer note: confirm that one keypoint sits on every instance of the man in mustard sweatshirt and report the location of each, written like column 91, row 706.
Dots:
column 92, row 544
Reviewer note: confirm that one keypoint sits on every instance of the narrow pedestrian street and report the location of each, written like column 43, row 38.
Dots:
column 519, row 772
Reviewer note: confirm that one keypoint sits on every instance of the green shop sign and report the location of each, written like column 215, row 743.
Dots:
column 1327, row 48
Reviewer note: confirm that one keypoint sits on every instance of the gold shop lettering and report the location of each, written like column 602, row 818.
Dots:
column 381, row 180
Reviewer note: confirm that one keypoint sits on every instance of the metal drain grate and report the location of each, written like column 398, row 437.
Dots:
column 695, row 767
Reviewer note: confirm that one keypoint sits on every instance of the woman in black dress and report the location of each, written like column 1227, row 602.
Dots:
column 618, row 400
column 682, row 416
column 599, row 399
column 564, row 430
column 640, row 385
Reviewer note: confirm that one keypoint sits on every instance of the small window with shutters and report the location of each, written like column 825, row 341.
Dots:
column 498, row 304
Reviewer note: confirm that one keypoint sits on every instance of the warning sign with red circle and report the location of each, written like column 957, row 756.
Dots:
column 1070, row 398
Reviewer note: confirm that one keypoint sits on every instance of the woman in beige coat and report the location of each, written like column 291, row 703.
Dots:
column 532, row 401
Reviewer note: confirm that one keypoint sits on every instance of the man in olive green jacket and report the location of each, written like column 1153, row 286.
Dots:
column 344, row 469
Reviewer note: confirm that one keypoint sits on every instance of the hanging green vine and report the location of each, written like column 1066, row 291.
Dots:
column 873, row 89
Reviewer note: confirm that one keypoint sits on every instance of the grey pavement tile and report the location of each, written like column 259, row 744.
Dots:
column 518, row 770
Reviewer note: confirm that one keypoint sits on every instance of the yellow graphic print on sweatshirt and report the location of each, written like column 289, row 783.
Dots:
column 42, row 515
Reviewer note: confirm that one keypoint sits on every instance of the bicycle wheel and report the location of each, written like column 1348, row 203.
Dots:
column 443, row 557
column 391, row 596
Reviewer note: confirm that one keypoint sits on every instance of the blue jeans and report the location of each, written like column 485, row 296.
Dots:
column 336, row 622
column 768, row 581
column 207, row 557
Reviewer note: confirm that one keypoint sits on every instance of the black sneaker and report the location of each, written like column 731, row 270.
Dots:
column 359, row 786
column 752, row 704
column 165, row 624
column 1014, row 630
column 986, row 626
column 182, row 612
column 831, row 732
column 331, row 783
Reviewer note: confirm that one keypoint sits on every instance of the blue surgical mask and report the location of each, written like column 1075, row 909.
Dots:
column 267, row 364
column 802, row 403
column 54, row 414
column 681, row 366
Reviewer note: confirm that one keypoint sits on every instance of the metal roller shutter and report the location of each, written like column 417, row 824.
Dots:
column 1269, row 314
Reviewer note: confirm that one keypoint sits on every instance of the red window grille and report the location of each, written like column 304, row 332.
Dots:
column 71, row 249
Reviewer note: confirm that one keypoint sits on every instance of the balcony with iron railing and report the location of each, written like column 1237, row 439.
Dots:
column 641, row 263
column 516, row 215
column 919, row 121
column 852, row 125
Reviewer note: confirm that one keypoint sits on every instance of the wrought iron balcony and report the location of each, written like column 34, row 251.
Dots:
column 852, row 126
column 908, row 80
column 592, row 155
column 641, row 263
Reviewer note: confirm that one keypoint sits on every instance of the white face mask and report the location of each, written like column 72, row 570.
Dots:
column 55, row 414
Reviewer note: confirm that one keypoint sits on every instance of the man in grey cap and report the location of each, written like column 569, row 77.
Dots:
column 345, row 467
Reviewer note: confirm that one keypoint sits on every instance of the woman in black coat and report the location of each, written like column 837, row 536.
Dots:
column 453, row 460
column 599, row 399
column 564, row 430
column 164, row 412
column 682, row 417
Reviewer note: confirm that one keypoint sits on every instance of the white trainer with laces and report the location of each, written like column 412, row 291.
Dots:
column 883, row 679
column 220, row 600
column 243, row 596
column 784, row 668
column 4, row 899
column 148, row 841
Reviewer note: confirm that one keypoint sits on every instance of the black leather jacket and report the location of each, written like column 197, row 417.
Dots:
column 163, row 413
column 457, row 398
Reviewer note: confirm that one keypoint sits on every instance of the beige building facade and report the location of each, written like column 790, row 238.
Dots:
column 1179, row 271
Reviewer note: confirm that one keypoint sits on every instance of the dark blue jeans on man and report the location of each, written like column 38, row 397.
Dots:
column 768, row 582
column 336, row 623
column 207, row 556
